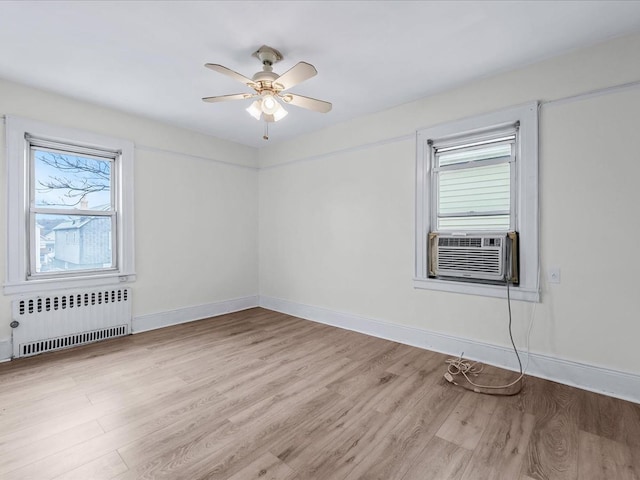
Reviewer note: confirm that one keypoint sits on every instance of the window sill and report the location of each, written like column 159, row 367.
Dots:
column 498, row 291
column 51, row 284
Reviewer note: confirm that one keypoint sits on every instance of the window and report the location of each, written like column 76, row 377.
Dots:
column 472, row 184
column 70, row 208
column 479, row 176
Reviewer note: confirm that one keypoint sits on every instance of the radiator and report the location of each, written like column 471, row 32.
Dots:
column 43, row 323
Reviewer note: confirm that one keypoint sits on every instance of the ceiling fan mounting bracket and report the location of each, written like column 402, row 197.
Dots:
column 267, row 55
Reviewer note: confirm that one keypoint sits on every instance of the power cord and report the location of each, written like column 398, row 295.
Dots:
column 458, row 366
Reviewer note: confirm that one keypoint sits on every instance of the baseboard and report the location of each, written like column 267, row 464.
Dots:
column 152, row 321
column 587, row 377
column 6, row 350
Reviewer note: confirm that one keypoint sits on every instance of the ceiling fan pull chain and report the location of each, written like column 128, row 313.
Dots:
column 266, row 131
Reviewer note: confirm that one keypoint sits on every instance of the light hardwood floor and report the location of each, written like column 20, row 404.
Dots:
column 262, row 395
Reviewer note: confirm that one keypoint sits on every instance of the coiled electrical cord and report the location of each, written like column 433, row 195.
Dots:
column 458, row 366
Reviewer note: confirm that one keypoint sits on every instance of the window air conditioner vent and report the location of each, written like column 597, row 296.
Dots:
column 474, row 257
column 459, row 242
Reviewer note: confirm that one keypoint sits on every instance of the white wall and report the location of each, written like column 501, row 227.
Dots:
column 195, row 207
column 337, row 218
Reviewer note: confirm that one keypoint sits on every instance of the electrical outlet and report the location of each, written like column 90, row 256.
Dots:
column 553, row 275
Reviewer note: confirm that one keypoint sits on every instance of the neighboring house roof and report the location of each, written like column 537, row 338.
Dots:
column 82, row 221
column 74, row 224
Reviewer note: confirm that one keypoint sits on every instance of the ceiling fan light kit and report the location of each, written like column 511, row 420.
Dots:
column 280, row 113
column 269, row 104
column 254, row 110
column 269, row 86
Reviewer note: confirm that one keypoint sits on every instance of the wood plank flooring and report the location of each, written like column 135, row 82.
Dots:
column 262, row 395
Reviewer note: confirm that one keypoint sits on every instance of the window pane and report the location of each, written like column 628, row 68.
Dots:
column 70, row 181
column 474, row 191
column 72, row 242
column 475, row 154
column 457, row 224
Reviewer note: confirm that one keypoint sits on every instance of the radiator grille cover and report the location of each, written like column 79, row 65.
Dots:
column 66, row 319
column 41, row 346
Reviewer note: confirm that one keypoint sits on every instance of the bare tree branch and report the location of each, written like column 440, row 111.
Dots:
column 85, row 176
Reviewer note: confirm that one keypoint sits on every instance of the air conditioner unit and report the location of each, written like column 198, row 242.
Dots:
column 482, row 257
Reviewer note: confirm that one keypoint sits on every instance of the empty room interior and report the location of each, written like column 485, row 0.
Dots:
column 345, row 240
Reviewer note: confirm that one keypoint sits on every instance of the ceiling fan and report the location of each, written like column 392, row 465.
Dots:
column 270, row 87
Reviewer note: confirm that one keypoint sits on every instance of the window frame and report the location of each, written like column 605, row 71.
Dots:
column 21, row 209
column 102, row 155
column 524, row 187
column 437, row 169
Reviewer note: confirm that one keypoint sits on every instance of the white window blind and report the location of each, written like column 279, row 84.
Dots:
column 473, row 186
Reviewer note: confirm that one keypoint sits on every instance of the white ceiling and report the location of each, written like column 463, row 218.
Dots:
column 147, row 57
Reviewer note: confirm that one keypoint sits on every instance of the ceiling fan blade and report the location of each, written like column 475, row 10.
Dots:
column 230, row 73
column 297, row 74
column 307, row 102
column 224, row 98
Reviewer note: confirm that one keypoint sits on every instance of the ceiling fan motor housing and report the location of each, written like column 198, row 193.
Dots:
column 265, row 76
column 265, row 79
